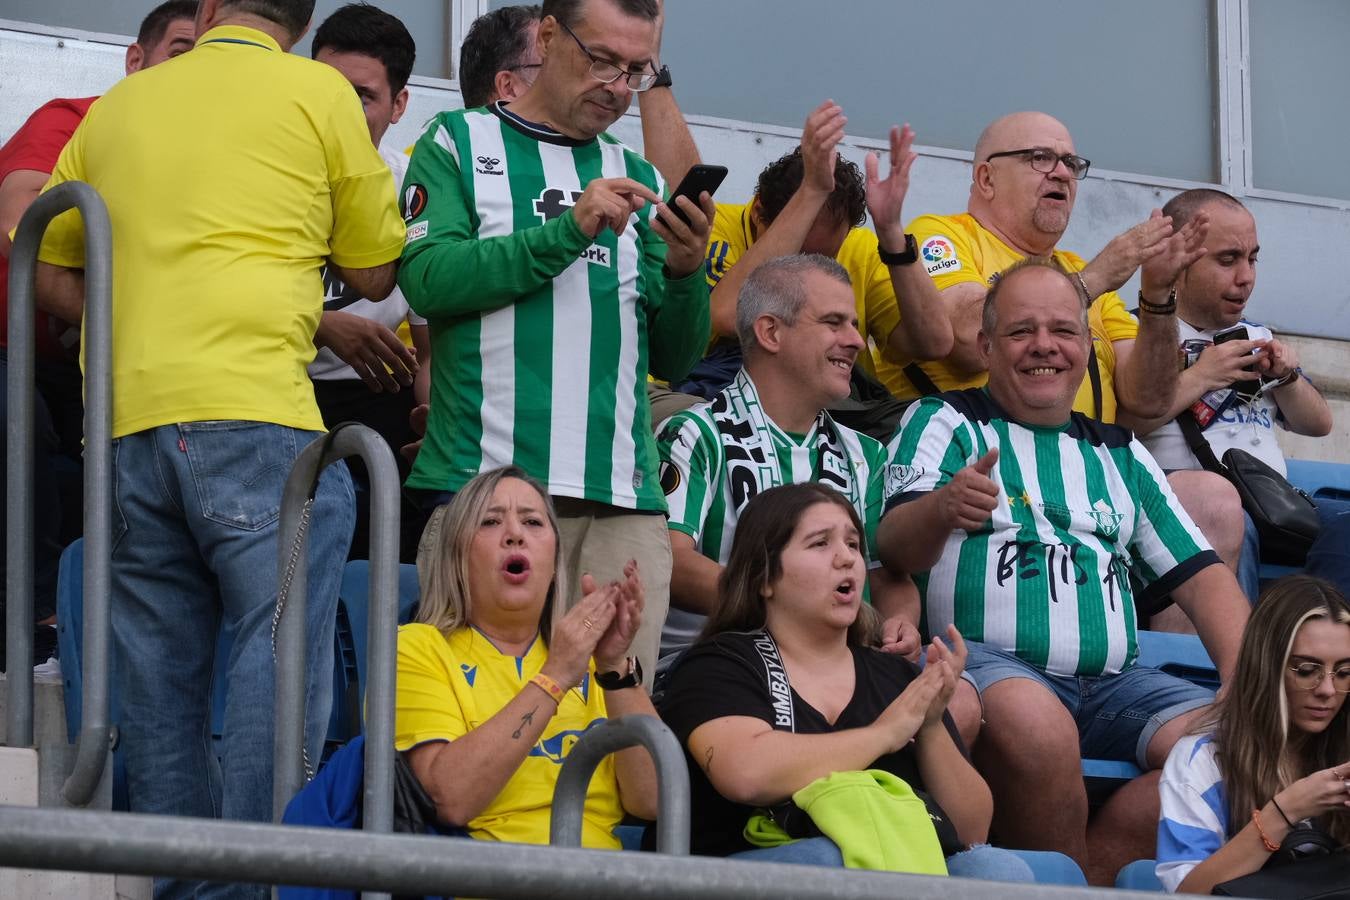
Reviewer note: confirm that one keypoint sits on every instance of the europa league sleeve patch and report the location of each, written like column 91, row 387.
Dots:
column 414, row 201
column 670, row 478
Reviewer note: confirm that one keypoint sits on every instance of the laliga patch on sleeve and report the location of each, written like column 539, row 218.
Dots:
column 416, row 232
column 900, row 478
column 939, row 255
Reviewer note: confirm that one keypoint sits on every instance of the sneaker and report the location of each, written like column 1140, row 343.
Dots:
column 50, row 671
column 44, row 644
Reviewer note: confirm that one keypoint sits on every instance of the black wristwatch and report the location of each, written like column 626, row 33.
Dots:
column 907, row 257
column 662, row 78
column 614, row 681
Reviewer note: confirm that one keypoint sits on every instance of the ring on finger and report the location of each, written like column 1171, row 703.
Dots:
column 588, row 623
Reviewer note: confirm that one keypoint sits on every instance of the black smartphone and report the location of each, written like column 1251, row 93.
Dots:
column 700, row 178
column 1238, row 333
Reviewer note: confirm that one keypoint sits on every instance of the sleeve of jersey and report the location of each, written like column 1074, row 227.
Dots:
column 722, row 252
column 367, row 229
column 38, row 142
column 713, row 682
column 679, row 314
column 1117, row 323
column 687, row 475
column 447, row 270
column 945, row 252
column 1192, row 820
column 1167, row 547
column 426, row 707
column 933, row 444
column 63, row 242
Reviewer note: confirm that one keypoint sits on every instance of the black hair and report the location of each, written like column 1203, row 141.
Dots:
column 158, row 19
column 362, row 28
column 1183, row 207
column 293, row 15
column 568, row 12
column 781, row 179
column 496, row 41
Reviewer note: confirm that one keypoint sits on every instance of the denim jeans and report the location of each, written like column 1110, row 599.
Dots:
column 1329, row 557
column 195, row 550
column 980, row 861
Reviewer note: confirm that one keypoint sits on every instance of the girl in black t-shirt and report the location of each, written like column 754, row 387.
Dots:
column 783, row 689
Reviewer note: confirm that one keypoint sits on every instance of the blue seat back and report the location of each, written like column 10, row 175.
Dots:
column 1139, row 876
column 352, row 633
column 1320, row 479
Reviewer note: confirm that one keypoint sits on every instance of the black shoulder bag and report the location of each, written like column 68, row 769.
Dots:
column 1285, row 517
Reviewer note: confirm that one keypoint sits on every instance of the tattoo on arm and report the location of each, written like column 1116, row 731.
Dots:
column 707, row 762
column 526, row 719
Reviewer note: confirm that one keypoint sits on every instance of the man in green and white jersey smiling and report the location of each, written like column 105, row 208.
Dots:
column 798, row 326
column 554, row 279
column 1021, row 521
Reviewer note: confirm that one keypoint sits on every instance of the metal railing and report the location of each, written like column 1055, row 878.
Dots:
column 288, row 774
column 611, row 736
column 96, row 734
column 126, row 843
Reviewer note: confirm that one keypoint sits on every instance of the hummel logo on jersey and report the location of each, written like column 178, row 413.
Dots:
column 485, row 166
column 553, row 202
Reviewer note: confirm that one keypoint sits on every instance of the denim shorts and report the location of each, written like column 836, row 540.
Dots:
column 1117, row 715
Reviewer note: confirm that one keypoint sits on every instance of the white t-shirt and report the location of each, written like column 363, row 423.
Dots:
column 337, row 297
column 1240, row 422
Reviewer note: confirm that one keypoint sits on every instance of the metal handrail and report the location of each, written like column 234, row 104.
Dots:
column 208, row 850
column 96, row 733
column 611, row 736
column 288, row 774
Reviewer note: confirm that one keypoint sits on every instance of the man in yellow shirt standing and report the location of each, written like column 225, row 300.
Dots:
column 231, row 174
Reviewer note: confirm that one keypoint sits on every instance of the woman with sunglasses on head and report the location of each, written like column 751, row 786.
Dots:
column 1274, row 751
column 784, row 688
column 496, row 683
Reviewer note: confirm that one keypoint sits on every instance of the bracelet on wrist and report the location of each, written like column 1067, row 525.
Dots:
column 549, row 686
column 1270, row 845
column 1287, row 378
column 1159, row 309
column 1087, row 294
column 1279, row 809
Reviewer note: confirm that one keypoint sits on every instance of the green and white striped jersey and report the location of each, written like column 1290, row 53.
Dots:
column 1080, row 507
column 716, row 457
column 541, row 335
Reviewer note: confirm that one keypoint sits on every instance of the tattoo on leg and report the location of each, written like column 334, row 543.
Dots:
column 524, row 720
column 707, row 762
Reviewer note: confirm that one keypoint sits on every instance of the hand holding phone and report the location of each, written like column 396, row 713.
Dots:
column 700, row 178
column 1240, row 333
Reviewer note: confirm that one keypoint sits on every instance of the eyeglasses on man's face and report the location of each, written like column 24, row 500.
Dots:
column 1044, row 160
column 1308, row 676
column 607, row 72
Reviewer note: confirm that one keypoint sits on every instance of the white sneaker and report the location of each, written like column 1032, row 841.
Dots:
column 48, row 672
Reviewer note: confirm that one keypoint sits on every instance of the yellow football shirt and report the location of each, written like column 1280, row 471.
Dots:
column 958, row 250
column 230, row 173
column 449, row 686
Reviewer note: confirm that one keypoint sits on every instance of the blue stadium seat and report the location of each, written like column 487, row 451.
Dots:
column 1320, row 479
column 1139, row 876
column 352, row 631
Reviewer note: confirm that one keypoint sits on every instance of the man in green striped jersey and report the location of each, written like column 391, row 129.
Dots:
column 797, row 323
column 1022, row 521
column 554, row 279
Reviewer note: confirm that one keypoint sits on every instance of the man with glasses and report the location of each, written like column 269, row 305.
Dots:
column 1023, row 185
column 554, row 278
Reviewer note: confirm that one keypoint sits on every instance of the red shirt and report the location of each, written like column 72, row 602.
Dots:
column 36, row 146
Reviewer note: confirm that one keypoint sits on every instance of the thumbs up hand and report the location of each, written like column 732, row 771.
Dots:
column 968, row 500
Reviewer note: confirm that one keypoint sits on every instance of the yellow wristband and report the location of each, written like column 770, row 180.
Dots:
column 549, row 686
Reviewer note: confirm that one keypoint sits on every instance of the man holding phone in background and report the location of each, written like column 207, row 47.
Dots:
column 814, row 201
column 553, row 278
column 1239, row 380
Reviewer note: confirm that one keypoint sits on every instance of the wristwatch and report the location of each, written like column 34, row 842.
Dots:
column 662, row 78
column 908, row 256
column 614, row 681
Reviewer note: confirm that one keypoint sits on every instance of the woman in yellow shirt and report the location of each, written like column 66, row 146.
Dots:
column 496, row 683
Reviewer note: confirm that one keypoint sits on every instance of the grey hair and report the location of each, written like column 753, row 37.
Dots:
column 989, row 315
column 778, row 289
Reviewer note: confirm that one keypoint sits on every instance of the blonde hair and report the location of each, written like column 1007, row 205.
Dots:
column 446, row 604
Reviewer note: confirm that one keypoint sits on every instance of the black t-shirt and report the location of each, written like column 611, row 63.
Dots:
column 726, row 676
